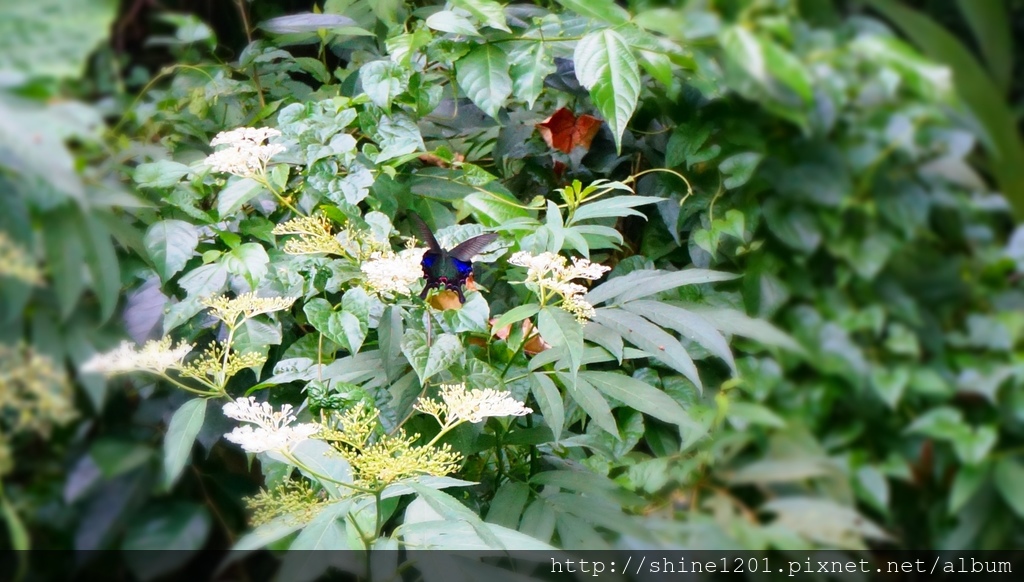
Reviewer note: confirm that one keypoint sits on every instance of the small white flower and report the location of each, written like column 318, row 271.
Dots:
column 274, row 430
column 156, row 356
column 552, row 272
column 476, row 405
column 247, row 153
column 394, row 273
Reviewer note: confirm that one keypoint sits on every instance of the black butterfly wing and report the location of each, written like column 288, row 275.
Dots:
column 468, row 249
column 425, row 232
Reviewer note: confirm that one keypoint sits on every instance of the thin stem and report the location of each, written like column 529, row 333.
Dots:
column 188, row 388
column 248, row 35
column 280, row 198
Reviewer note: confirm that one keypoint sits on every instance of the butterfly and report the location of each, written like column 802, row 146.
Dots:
column 564, row 131
column 452, row 268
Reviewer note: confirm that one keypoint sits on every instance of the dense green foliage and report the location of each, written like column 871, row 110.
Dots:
column 808, row 332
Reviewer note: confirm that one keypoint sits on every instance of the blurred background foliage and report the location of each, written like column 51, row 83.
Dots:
column 859, row 163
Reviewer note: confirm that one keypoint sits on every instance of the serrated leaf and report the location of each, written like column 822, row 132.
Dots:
column 650, row 338
column 444, row 350
column 162, row 174
column 689, row 324
column 591, row 401
column 607, row 68
column 448, row 21
column 531, row 64
column 185, row 424
column 604, row 10
column 550, row 401
column 483, row 75
column 341, row 327
column 615, row 207
column 248, row 261
column 383, row 81
column 562, row 331
column 325, row 460
column 488, row 12
column 170, row 244
column 326, row 531
column 237, row 194
column 641, row 396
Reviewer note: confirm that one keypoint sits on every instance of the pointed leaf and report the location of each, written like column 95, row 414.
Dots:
column 185, row 424
column 484, row 76
column 607, row 68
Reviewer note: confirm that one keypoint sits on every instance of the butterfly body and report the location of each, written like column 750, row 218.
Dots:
column 449, row 269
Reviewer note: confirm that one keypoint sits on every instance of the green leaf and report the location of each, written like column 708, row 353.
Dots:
column 550, row 401
column 735, row 322
column 445, row 350
column 383, row 81
column 607, row 68
column 615, row 207
column 488, row 12
column 516, row 314
column 185, row 424
column 689, row 324
column 531, row 64
column 53, row 38
column 591, row 401
column 268, row 533
column 890, row 383
column 448, row 21
column 643, row 397
column 968, row 480
column 562, row 331
column 650, row 338
column 20, row 539
column 450, row 509
column 117, row 457
column 326, row 531
column 666, row 280
column 508, row 504
column 341, row 327
column 101, row 258
column 992, row 28
column 323, row 459
column 483, row 75
column 766, row 61
column 976, row 89
column 398, row 135
column 162, row 174
column 604, row 10
column 389, row 337
column 1008, row 477
column 739, row 168
column 231, row 199
column 178, row 526
column 170, row 244
column 248, row 261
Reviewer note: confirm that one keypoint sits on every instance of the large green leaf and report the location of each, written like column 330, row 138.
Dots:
column 591, row 401
column 688, row 323
column 652, row 339
column 484, row 76
column 185, row 424
column 52, row 38
column 992, row 28
column 488, row 12
column 326, row 465
column 643, row 397
column 550, row 401
column 341, row 327
column 562, row 331
column 326, row 531
column 429, row 360
column 1009, row 476
column 531, row 64
column 978, row 92
column 170, row 244
column 607, row 68
column 604, row 10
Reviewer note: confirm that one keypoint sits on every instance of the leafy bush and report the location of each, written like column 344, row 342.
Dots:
column 745, row 273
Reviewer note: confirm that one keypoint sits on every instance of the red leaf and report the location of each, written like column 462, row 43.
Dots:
column 564, row 131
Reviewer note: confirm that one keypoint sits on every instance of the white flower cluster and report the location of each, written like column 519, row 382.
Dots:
column 156, row 356
column 473, row 405
column 390, row 272
column 247, row 153
column 553, row 272
column 273, row 431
